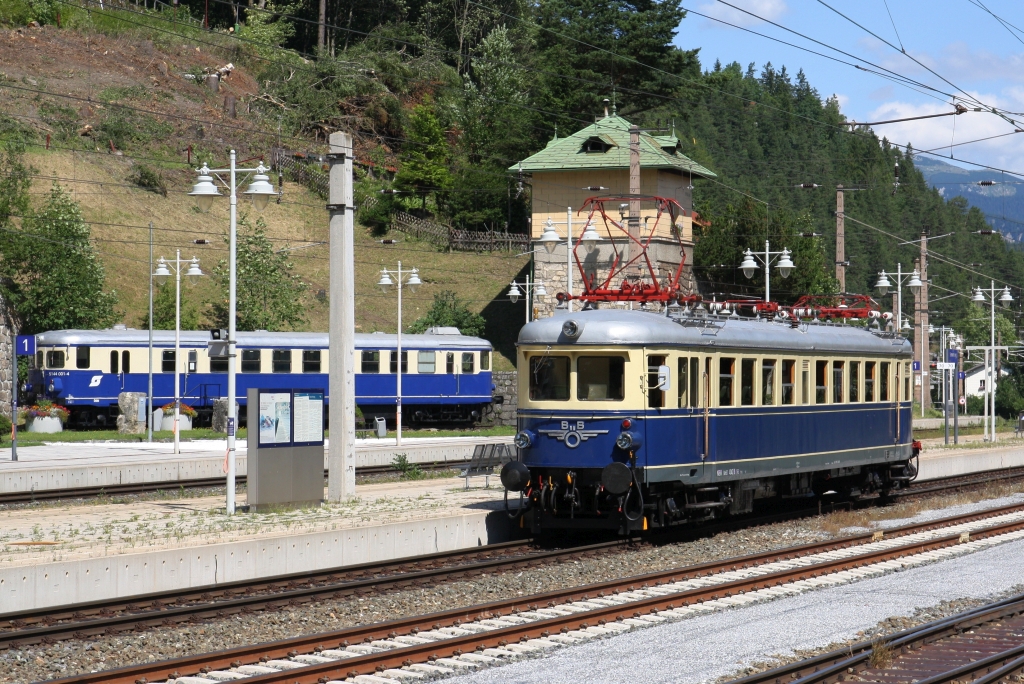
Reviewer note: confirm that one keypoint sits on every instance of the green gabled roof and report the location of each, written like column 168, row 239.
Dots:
column 612, row 135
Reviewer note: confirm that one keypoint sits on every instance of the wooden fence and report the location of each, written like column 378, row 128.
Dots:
column 455, row 239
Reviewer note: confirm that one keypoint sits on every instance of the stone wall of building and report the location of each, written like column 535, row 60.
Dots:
column 506, row 387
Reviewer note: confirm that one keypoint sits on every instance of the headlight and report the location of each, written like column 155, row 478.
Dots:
column 523, row 439
column 628, row 441
column 572, row 329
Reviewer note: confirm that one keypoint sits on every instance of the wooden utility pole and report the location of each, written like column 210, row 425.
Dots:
column 922, row 321
column 321, row 29
column 634, row 187
column 840, row 240
column 341, row 354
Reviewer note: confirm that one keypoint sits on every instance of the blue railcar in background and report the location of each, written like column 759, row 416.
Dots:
column 446, row 376
column 630, row 420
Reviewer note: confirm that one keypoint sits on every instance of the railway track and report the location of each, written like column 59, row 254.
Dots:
column 155, row 610
column 984, row 645
column 473, row 636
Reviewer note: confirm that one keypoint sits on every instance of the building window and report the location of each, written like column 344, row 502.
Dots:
column 371, row 362
column 82, row 357
column 549, row 378
column 126, row 362
column 598, row 378
column 114, row 362
column 768, row 382
column 426, row 362
column 282, row 360
column 394, row 361
column 485, row 360
column 467, row 362
column 251, row 361
column 167, row 365
column 725, row 373
column 788, row 381
column 311, row 361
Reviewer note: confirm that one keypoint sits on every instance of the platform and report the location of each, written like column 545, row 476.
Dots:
column 63, row 465
column 60, row 554
column 972, row 455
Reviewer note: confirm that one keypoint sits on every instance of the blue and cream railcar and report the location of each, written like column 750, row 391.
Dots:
column 630, row 420
column 445, row 376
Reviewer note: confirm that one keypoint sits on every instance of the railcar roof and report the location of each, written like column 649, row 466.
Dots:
column 604, row 327
column 193, row 338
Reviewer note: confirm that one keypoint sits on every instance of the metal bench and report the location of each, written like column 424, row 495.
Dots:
column 486, row 457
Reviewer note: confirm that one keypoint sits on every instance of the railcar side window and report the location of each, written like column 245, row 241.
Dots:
column 193, row 361
column 821, row 382
column 167, row 361
column 126, row 362
column 449, row 364
column 311, row 361
column 82, row 357
column 806, row 382
column 426, row 362
column 282, row 359
column 869, row 381
column 251, row 360
column 467, row 362
column 726, row 367
column 694, row 382
column 549, row 378
column 599, row 378
column 655, row 396
column 684, row 382
column 768, row 382
column 114, row 365
column 788, row 380
column 906, row 382
column 54, row 359
column 747, row 382
column 394, row 361
column 854, row 381
column 218, row 364
column 370, row 362
column 837, row 381
column 485, row 360
column 884, row 382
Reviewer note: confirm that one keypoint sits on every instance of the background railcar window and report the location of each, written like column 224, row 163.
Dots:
column 655, row 395
column 39, row 359
column 467, row 362
column 193, row 361
column 82, row 357
column 820, row 382
column 115, row 366
column 725, row 373
column 54, row 359
column 218, row 364
column 426, row 362
column 449, row 363
column 768, row 382
column 869, row 381
column 600, row 378
column 167, row 361
column 126, row 366
column 394, row 361
column 370, row 362
column 854, row 381
column 549, row 378
column 788, row 380
column 311, row 361
column 251, row 360
column 747, row 382
column 883, row 382
column 485, row 361
column 282, row 359
column 684, row 381
column 838, row 368
column 906, row 382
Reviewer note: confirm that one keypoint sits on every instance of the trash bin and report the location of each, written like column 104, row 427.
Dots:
column 382, row 427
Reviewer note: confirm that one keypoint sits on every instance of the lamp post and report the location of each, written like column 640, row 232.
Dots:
column 913, row 284
column 550, row 240
column 784, row 267
column 411, row 278
column 259, row 191
column 1004, row 298
column 538, row 290
column 162, row 273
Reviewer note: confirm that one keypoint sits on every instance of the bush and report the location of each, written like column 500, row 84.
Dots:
column 975, row 406
column 63, row 120
column 148, row 179
column 5, row 427
column 123, row 127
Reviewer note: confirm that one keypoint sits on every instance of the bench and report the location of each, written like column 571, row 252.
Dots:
column 486, row 457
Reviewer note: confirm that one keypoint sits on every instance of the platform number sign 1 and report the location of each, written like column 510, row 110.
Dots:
column 25, row 345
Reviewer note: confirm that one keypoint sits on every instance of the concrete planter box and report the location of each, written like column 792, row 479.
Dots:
column 184, row 422
column 45, row 424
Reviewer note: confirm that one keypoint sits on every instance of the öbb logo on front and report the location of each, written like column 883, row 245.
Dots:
column 572, row 434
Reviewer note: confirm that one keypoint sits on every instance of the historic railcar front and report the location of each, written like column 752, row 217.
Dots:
column 630, row 420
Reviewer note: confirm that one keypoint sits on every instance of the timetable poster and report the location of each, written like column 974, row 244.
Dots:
column 309, row 417
column 275, row 418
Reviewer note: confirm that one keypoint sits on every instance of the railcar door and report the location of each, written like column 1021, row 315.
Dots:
column 675, row 423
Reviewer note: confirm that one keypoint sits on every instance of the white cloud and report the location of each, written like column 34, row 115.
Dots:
column 843, row 100
column 767, row 9
column 958, row 62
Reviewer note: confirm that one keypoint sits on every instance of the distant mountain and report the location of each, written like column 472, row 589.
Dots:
column 1002, row 203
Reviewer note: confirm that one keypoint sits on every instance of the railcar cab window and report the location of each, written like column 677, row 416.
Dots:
column 854, row 381
column 467, row 362
column 426, row 362
column 655, row 395
column 601, row 378
column 115, row 367
column 250, row 360
column 788, row 380
column 485, row 361
column 747, row 382
column 311, row 361
column 869, row 381
column 167, row 361
column 394, row 361
column 838, row 368
column 821, row 382
column 282, row 359
column 884, row 382
column 370, row 362
column 768, row 382
column 689, row 379
column 54, row 359
column 726, row 367
column 82, row 357
column 549, row 378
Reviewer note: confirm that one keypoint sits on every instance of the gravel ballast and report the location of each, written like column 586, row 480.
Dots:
column 75, row 656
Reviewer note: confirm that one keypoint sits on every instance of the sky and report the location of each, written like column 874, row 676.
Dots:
column 957, row 39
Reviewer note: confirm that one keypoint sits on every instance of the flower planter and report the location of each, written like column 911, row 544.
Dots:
column 184, row 422
column 45, row 424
